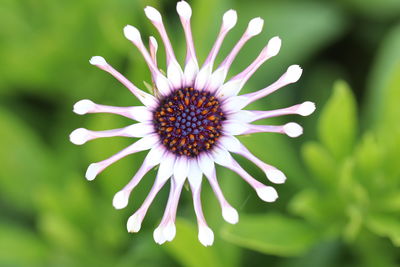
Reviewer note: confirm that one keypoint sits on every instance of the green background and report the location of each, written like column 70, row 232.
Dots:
column 340, row 205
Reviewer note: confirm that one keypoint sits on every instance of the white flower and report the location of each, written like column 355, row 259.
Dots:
column 190, row 122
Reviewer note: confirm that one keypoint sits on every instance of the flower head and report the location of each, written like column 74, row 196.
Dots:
column 190, row 122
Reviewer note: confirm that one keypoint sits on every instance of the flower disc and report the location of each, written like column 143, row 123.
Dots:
column 189, row 121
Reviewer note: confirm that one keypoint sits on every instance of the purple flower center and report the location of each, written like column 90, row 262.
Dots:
column 189, row 121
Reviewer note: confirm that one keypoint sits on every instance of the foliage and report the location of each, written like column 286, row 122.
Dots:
column 340, row 205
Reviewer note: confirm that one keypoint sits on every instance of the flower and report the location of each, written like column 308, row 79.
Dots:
column 190, row 122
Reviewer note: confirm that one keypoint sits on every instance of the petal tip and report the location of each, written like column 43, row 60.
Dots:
column 293, row 129
column 152, row 14
column 79, row 136
column 267, row 193
column 230, row 215
column 293, row 73
column 273, row 46
column 255, row 26
column 92, row 171
column 131, row 33
column 134, row 223
column 120, row 200
column 169, row 231
column 184, row 10
column 158, row 236
column 98, row 61
column 206, row 236
column 83, row 106
column 229, row 19
column 153, row 42
column 276, row 176
column 305, row 109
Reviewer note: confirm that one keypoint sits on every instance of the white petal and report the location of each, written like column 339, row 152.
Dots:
column 307, row 108
column 230, row 143
column 139, row 129
column 83, row 106
column 203, row 76
column 230, row 214
column 230, row 87
column 293, row 129
column 181, row 169
column 153, row 43
column 184, row 9
column 191, row 70
column 206, row 164
column 276, row 176
column 132, row 34
column 169, row 231
column 233, row 144
column 206, row 236
column 143, row 144
column 98, row 61
column 134, row 223
column 166, row 168
column 147, row 142
column 222, row 157
column 293, row 74
column 121, row 199
column 92, row 171
column 235, row 103
column 151, row 160
column 162, row 84
column 255, row 26
column 175, row 74
column 152, row 14
column 217, row 78
column 79, row 136
column 156, row 154
column 244, row 116
column 159, row 236
column 229, row 19
column 273, row 47
column 145, row 98
column 235, row 127
column 195, row 174
column 267, row 193
column 140, row 113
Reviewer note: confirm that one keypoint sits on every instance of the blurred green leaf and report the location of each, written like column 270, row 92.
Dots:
column 354, row 224
column 21, row 247
column 390, row 202
column 391, row 96
column 368, row 154
column 372, row 251
column 274, row 234
column 337, row 125
column 385, row 225
column 26, row 162
column 188, row 251
column 384, row 71
column 307, row 205
column 320, row 162
column 388, row 126
column 62, row 233
column 381, row 9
